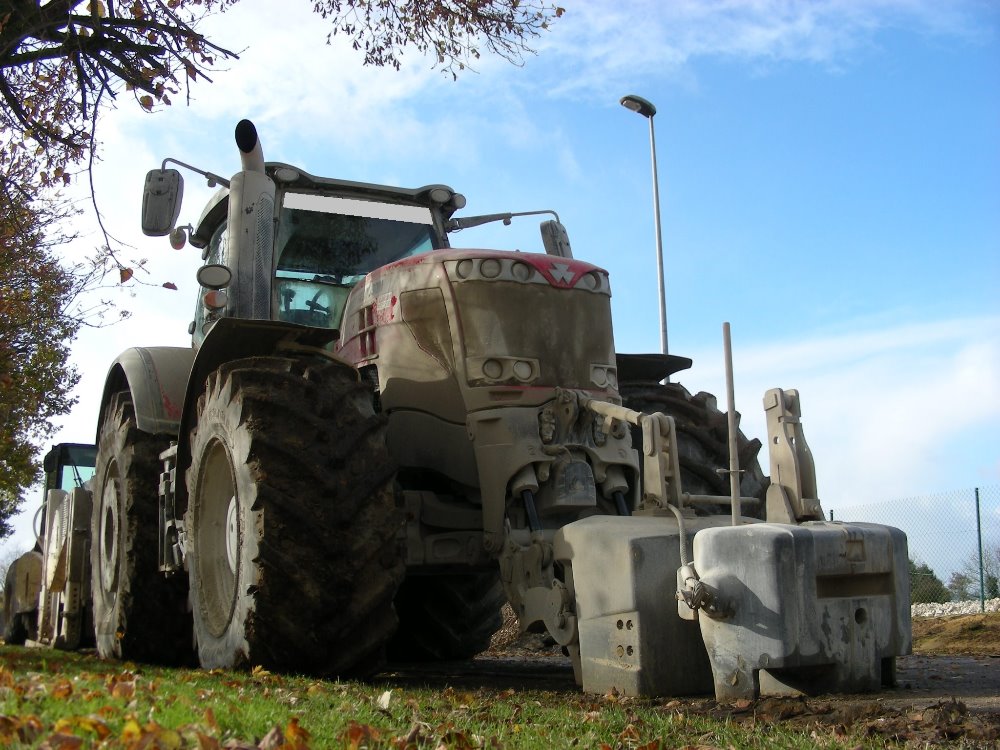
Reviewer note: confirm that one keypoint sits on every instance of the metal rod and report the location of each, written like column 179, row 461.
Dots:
column 621, row 505
column 659, row 246
column 690, row 499
column 979, row 538
column 734, row 456
column 528, row 498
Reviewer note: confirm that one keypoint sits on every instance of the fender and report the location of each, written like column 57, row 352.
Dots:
column 648, row 368
column 157, row 377
column 231, row 339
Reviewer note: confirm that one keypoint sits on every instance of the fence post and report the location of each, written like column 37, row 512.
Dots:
column 979, row 540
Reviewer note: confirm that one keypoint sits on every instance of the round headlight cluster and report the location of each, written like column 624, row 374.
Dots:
column 493, row 369
column 507, row 368
column 604, row 377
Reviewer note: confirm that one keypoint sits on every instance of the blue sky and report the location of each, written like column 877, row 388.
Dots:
column 830, row 184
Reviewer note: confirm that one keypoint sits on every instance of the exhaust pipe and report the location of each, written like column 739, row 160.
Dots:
column 251, row 230
column 251, row 154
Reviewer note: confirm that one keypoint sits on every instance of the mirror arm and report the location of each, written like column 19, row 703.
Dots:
column 213, row 179
column 465, row 222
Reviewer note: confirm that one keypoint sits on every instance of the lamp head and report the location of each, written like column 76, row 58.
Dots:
column 639, row 105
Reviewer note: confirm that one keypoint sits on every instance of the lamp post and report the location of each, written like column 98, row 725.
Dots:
column 646, row 109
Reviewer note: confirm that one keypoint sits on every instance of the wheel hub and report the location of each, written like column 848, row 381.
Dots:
column 108, row 540
column 218, row 537
column 233, row 533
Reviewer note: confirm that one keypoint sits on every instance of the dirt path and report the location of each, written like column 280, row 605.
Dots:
column 954, row 657
column 922, row 679
column 948, row 690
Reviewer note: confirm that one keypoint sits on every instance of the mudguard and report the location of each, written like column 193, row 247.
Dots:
column 644, row 368
column 157, row 378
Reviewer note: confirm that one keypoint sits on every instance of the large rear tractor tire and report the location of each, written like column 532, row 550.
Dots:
column 18, row 627
column 447, row 617
column 139, row 614
column 293, row 530
column 703, row 441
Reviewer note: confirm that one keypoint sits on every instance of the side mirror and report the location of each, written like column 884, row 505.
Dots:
column 161, row 201
column 555, row 239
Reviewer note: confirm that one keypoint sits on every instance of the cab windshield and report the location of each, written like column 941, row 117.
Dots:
column 325, row 245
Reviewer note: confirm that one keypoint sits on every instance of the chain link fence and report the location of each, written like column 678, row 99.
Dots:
column 953, row 538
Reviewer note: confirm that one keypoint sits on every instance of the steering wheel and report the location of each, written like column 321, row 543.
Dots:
column 314, row 304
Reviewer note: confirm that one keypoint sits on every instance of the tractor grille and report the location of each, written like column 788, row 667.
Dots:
column 535, row 335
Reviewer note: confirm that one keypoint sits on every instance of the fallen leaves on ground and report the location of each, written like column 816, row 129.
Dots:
column 115, row 723
column 59, row 706
column 942, row 722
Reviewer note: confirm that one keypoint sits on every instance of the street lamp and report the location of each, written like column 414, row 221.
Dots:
column 646, row 109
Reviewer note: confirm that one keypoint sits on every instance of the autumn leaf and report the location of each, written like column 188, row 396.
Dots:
column 170, row 285
column 147, row 102
column 60, row 741
column 205, row 742
column 125, row 274
column 209, row 717
column 358, row 735
column 629, row 734
column 296, row 736
column 19, row 729
column 272, row 740
column 122, row 685
column 88, row 724
column 459, row 740
column 131, row 731
column 62, row 689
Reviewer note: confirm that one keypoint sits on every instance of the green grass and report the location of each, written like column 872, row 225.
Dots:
column 64, row 700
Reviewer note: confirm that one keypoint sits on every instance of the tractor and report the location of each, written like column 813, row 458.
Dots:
column 375, row 440
column 47, row 589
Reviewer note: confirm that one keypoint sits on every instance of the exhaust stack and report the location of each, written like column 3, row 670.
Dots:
column 251, row 154
column 251, row 230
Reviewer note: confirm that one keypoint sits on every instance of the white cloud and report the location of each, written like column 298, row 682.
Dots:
column 602, row 45
column 888, row 413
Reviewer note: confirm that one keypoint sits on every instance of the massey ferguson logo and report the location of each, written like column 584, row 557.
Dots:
column 561, row 272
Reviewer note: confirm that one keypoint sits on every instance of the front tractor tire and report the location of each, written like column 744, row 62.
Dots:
column 447, row 617
column 139, row 613
column 294, row 552
column 703, row 441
